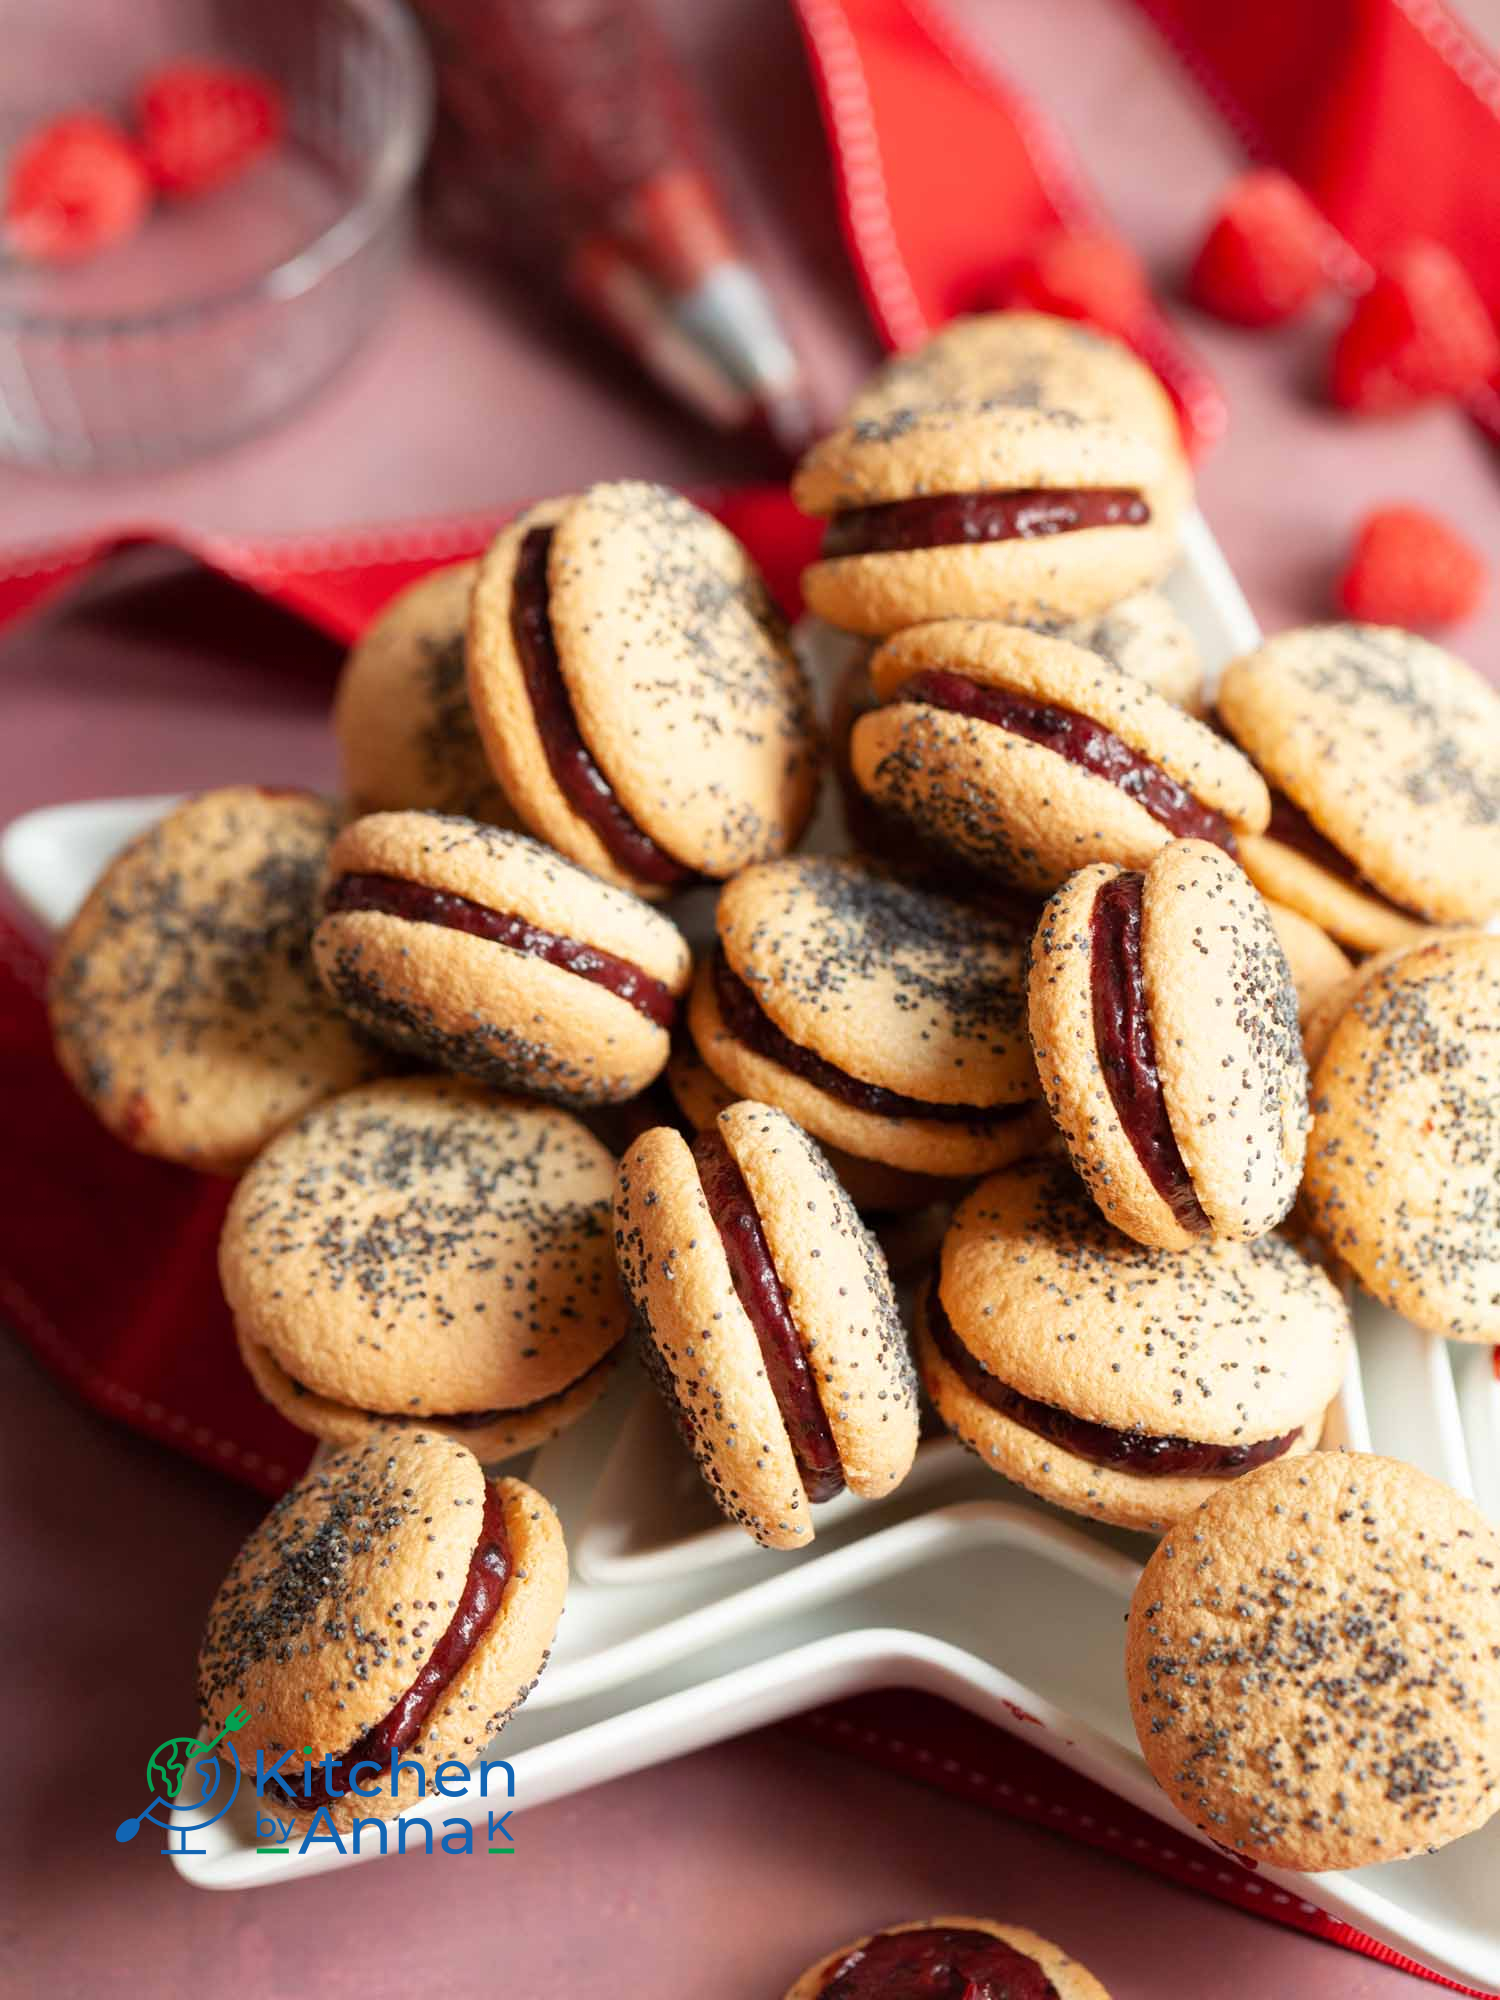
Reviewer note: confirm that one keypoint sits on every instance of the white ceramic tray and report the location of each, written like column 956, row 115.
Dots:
column 680, row 1632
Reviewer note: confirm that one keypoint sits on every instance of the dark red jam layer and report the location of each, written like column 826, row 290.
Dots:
column 569, row 759
column 1127, row 1048
column 749, row 1023
column 940, row 520
column 489, row 1571
column 761, row 1293
column 1122, row 1451
column 420, row 905
column 1083, row 742
column 946, row 1964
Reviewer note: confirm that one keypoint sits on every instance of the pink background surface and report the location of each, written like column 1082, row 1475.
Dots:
column 725, row 1872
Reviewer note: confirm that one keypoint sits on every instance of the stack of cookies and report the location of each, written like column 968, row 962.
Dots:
column 1135, row 1028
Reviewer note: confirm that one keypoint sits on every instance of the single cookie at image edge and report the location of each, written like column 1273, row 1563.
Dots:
column 636, row 690
column 392, row 1603
column 1403, row 1168
column 482, row 951
column 185, row 1007
column 976, row 1950
column 401, row 714
column 425, row 1254
column 1024, row 756
column 767, row 1319
column 1123, row 1383
column 1165, row 1027
column 1385, row 751
column 1313, row 1661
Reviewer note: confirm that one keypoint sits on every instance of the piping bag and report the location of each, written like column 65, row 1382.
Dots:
column 568, row 143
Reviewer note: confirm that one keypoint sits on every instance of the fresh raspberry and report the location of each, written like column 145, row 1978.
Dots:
column 1085, row 275
column 1421, row 331
column 1410, row 568
column 203, row 123
column 74, row 187
column 1262, row 261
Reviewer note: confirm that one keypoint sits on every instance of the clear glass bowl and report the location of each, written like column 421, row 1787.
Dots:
column 223, row 312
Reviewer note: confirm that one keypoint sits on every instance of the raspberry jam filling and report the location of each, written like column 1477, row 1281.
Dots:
column 748, row 1022
column 1122, row 1451
column 569, row 759
column 1082, row 741
column 761, row 1293
column 1127, row 1048
column 489, row 1572
column 940, row 1964
column 941, row 520
column 418, row 904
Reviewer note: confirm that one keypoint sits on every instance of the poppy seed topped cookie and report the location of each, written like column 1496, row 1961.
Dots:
column 886, row 1021
column 1314, row 1664
column 392, row 1605
column 1383, row 754
column 184, row 1003
column 969, row 1958
column 1142, row 636
column 424, row 1253
column 636, row 690
column 481, row 950
column 1025, row 756
column 1123, row 1383
column 767, row 1319
column 405, row 730
column 1165, row 1027
column 1403, row 1169
column 1015, row 467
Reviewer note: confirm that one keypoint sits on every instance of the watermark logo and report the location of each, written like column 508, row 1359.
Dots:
column 321, row 1781
column 167, row 1771
column 316, row 1791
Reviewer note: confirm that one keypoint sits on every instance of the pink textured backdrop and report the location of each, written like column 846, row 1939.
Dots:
column 726, row 1872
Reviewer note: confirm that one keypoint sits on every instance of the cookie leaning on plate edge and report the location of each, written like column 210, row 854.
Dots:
column 393, row 1603
column 1403, row 1170
column 1313, row 1659
column 767, row 1319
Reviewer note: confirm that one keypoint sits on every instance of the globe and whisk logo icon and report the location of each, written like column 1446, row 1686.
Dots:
column 168, row 1769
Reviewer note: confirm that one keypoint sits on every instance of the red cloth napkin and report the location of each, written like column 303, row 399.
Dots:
column 947, row 175
column 1386, row 111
